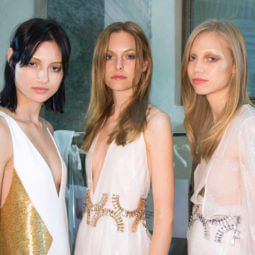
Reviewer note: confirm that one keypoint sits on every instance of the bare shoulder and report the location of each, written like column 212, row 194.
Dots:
column 5, row 135
column 48, row 125
column 158, row 126
column 6, row 140
column 157, row 119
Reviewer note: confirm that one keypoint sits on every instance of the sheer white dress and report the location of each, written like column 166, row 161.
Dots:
column 223, row 220
column 114, row 220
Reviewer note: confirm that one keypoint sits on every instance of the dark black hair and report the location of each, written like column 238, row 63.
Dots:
column 26, row 39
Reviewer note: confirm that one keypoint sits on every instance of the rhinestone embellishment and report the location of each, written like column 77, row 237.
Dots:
column 117, row 213
column 225, row 223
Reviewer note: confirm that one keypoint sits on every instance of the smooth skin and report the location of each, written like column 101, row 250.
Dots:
column 120, row 77
column 211, row 69
column 35, row 83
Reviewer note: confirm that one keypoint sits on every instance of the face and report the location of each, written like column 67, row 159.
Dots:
column 210, row 66
column 120, row 71
column 41, row 78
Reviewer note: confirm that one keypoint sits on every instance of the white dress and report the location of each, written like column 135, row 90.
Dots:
column 33, row 217
column 223, row 221
column 114, row 223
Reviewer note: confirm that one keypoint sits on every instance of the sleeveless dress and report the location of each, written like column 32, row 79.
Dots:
column 33, row 217
column 223, row 220
column 114, row 220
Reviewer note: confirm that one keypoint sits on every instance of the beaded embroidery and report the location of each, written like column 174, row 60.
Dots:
column 225, row 223
column 117, row 214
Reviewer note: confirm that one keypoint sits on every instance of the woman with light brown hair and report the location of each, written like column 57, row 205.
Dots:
column 220, row 125
column 129, row 146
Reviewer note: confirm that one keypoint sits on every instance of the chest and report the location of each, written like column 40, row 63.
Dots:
column 124, row 167
column 100, row 149
column 222, row 173
column 41, row 141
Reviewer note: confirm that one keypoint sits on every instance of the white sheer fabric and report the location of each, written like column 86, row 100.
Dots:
column 229, row 182
column 124, row 173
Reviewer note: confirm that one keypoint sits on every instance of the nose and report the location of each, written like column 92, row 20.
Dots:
column 43, row 75
column 119, row 63
column 198, row 65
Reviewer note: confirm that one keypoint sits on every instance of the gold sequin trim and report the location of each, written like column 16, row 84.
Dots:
column 117, row 214
column 22, row 230
column 138, row 213
column 90, row 207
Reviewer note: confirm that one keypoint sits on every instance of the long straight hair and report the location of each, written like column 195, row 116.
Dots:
column 203, row 133
column 132, row 120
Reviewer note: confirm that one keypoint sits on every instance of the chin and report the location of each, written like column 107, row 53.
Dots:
column 41, row 99
column 201, row 93
column 122, row 88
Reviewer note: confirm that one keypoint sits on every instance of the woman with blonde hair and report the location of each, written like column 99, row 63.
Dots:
column 220, row 125
column 129, row 145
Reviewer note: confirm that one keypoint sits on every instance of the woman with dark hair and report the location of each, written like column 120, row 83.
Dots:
column 129, row 146
column 32, row 173
column 220, row 125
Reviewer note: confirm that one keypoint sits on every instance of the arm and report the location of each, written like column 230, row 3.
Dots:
column 159, row 144
column 247, row 163
column 5, row 155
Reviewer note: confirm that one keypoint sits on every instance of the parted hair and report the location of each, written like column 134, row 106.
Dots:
column 26, row 39
column 132, row 120
column 203, row 133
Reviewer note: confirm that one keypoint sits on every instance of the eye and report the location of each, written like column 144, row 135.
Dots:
column 32, row 64
column 131, row 56
column 108, row 56
column 212, row 59
column 191, row 58
column 56, row 69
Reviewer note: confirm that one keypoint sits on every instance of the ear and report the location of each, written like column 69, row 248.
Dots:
column 10, row 52
column 145, row 65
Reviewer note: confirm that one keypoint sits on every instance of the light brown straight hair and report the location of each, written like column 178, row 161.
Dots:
column 132, row 120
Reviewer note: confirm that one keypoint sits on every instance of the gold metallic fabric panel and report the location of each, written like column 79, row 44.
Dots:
column 22, row 230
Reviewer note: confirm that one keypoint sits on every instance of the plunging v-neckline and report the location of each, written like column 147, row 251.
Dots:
column 40, row 155
column 103, row 164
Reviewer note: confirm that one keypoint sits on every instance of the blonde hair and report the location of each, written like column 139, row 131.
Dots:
column 203, row 133
column 132, row 120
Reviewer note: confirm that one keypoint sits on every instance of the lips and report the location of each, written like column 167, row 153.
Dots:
column 199, row 81
column 118, row 77
column 40, row 90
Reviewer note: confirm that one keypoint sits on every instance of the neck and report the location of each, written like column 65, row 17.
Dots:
column 217, row 104
column 28, row 112
column 120, row 99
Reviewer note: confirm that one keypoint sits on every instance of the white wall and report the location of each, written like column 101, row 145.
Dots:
column 166, row 48
column 12, row 13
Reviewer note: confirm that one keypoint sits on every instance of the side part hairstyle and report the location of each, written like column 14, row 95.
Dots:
column 203, row 134
column 132, row 120
column 26, row 39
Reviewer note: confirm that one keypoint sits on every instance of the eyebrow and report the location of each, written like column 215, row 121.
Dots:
column 217, row 52
column 129, row 49
column 38, row 59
